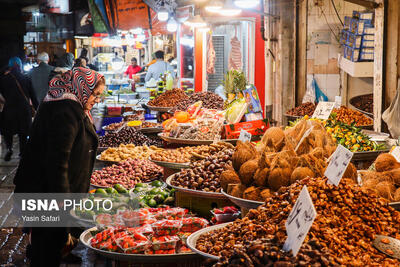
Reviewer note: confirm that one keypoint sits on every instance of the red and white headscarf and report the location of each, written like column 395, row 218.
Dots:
column 76, row 84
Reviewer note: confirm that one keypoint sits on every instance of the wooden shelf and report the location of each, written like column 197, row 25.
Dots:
column 356, row 69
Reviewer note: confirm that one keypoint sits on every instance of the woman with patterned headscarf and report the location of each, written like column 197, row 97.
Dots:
column 61, row 151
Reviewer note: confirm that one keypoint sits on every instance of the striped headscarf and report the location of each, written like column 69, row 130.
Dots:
column 76, row 84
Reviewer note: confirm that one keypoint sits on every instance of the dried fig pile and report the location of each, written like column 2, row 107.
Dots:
column 347, row 221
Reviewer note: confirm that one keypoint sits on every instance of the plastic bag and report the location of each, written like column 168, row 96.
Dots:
column 314, row 94
column 392, row 115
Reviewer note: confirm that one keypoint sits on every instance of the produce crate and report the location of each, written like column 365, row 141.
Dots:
column 368, row 43
column 366, row 56
column 200, row 205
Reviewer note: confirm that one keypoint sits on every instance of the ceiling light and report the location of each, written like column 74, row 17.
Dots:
column 229, row 9
column 247, row 3
column 196, row 22
column 214, row 6
column 172, row 25
column 162, row 14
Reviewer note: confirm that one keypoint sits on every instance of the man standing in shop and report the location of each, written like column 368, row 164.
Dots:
column 159, row 68
column 133, row 68
column 41, row 75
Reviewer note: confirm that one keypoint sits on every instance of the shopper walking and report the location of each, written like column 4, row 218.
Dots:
column 61, row 151
column 41, row 75
column 66, row 61
column 20, row 101
column 158, row 68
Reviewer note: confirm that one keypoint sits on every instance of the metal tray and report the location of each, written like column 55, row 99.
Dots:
column 368, row 155
column 243, row 203
column 161, row 109
column 105, row 161
column 292, row 118
column 171, row 165
column 151, row 130
column 137, row 258
column 351, row 101
column 192, row 239
column 197, row 193
column 193, row 142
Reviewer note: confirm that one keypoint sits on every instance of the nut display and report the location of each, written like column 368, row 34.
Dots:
column 364, row 103
column 127, row 135
column 209, row 100
column 190, row 153
column 148, row 124
column 347, row 222
column 350, row 117
column 127, row 173
column 303, row 110
column 129, row 151
column 169, row 98
column 204, row 174
column 114, row 126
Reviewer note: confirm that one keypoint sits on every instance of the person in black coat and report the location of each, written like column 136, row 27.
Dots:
column 16, row 117
column 60, row 153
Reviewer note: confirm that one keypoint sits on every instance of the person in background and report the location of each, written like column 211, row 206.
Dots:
column 60, row 154
column 133, row 68
column 158, row 68
column 20, row 98
column 84, row 55
column 40, row 76
column 80, row 62
column 66, row 61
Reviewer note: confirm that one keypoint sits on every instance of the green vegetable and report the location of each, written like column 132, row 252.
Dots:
column 157, row 183
column 140, row 185
column 111, row 190
column 120, row 189
column 169, row 201
column 152, row 203
column 101, row 191
column 155, row 191
column 159, row 198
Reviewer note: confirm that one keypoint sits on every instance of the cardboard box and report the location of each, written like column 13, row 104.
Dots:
column 255, row 128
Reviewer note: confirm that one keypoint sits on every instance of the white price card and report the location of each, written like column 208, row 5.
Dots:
column 338, row 164
column 338, row 101
column 323, row 110
column 299, row 221
column 396, row 153
column 305, row 135
column 244, row 136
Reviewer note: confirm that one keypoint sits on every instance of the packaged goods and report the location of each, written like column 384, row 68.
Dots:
column 164, row 242
column 193, row 224
column 166, row 227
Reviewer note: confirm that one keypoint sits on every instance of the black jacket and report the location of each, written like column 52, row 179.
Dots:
column 60, row 153
column 16, row 117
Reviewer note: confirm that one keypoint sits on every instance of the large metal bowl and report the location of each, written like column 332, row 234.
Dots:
column 161, row 109
column 192, row 239
column 171, row 165
column 197, row 193
column 137, row 258
column 243, row 203
column 191, row 141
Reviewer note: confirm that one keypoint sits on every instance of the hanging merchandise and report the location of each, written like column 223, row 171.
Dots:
column 99, row 23
column 127, row 14
column 211, row 56
column 235, row 56
column 314, row 93
column 392, row 115
column 319, row 95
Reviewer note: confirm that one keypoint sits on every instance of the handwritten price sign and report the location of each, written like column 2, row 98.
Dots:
column 396, row 153
column 340, row 160
column 299, row 222
column 244, row 136
column 323, row 110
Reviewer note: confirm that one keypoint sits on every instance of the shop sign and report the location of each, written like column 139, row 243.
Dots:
column 54, row 6
column 338, row 164
column 244, row 136
column 299, row 221
column 323, row 110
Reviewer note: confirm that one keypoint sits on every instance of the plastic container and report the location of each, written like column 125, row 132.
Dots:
column 130, row 245
column 145, row 229
column 166, row 227
column 193, row 224
column 226, row 217
column 171, row 213
column 164, row 242
column 134, row 218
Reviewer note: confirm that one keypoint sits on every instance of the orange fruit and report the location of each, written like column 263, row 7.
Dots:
column 182, row 116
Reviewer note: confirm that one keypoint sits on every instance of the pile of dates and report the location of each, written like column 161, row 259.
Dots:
column 127, row 135
column 204, row 174
column 127, row 173
column 209, row 99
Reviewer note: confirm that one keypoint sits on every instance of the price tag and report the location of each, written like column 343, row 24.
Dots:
column 396, row 153
column 244, row 136
column 338, row 164
column 338, row 101
column 299, row 221
column 323, row 110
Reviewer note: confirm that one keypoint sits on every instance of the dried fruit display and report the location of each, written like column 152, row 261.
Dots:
column 114, row 126
column 302, row 110
column 347, row 221
column 385, row 180
column 129, row 151
column 364, row 103
column 127, row 135
column 209, row 100
column 169, row 98
column 204, row 175
column 350, row 116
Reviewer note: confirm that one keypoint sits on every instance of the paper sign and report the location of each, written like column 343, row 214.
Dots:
column 338, row 164
column 338, row 101
column 323, row 110
column 244, row 136
column 299, row 221
column 396, row 153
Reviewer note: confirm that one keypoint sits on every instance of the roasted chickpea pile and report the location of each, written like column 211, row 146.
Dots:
column 349, row 116
column 346, row 224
